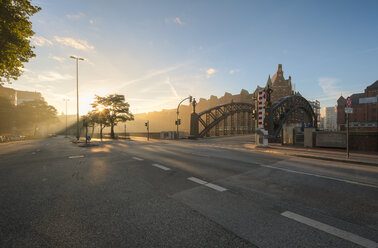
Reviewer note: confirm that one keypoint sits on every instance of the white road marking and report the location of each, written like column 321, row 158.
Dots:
column 33, row 152
column 161, row 167
column 321, row 176
column 139, row 159
column 331, row 230
column 196, row 180
column 216, row 187
column 77, row 156
column 204, row 183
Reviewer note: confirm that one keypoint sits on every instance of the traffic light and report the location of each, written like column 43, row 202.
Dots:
column 146, row 124
column 190, row 98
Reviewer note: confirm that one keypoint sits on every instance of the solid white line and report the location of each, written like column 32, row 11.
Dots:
column 216, row 187
column 321, row 176
column 196, row 180
column 210, row 185
column 161, row 167
column 78, row 156
column 139, row 159
column 331, row 230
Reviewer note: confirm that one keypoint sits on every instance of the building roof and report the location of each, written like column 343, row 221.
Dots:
column 373, row 86
column 355, row 98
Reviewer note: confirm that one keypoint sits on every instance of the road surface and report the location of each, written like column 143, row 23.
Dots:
column 203, row 193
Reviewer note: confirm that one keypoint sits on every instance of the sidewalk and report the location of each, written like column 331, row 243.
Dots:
column 324, row 154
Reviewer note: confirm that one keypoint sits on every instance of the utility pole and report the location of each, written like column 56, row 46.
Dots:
column 147, row 124
column 77, row 95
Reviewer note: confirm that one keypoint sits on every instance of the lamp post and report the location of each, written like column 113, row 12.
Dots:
column 77, row 94
column 66, row 100
column 178, row 121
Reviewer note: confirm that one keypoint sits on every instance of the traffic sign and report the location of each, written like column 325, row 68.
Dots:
column 349, row 102
column 349, row 110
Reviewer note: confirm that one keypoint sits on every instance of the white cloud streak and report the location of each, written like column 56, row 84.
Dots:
column 173, row 90
column 52, row 76
column 75, row 43
column 57, row 58
column 41, row 41
column 233, row 71
column 330, row 88
column 75, row 16
column 177, row 20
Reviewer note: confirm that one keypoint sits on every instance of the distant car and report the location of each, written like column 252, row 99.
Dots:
column 52, row 135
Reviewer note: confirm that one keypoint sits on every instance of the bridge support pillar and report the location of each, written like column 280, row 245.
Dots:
column 194, row 126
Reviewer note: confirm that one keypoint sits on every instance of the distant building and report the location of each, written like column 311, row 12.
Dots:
column 365, row 116
column 328, row 119
column 281, row 87
column 17, row 97
column 315, row 104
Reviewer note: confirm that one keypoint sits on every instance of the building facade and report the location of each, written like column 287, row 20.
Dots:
column 328, row 119
column 364, row 116
column 17, row 97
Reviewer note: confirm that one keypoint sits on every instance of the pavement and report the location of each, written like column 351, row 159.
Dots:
column 187, row 193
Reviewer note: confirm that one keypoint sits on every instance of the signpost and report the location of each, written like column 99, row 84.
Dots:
column 147, row 124
column 348, row 110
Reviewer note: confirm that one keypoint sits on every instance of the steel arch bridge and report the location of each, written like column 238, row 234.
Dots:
column 283, row 109
column 226, row 119
column 237, row 117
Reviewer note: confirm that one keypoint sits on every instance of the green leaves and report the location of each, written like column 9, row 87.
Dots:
column 15, row 33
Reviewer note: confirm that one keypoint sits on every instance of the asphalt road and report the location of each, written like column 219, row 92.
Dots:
column 204, row 193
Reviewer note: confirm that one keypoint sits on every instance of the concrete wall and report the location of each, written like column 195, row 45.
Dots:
column 331, row 139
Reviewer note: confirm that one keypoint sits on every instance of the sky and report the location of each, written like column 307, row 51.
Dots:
column 159, row 52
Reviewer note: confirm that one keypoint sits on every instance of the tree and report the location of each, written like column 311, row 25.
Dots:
column 7, row 114
column 97, row 116
column 113, row 109
column 34, row 113
column 15, row 33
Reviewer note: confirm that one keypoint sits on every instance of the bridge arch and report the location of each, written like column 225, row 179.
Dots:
column 236, row 118
column 283, row 109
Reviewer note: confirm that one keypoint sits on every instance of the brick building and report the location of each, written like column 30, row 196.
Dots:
column 17, row 97
column 364, row 115
column 281, row 87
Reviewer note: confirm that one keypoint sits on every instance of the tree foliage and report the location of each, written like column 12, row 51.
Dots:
column 112, row 109
column 7, row 115
column 15, row 33
column 34, row 113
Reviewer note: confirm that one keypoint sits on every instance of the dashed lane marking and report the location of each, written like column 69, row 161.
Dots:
column 77, row 156
column 161, row 167
column 204, row 183
column 331, row 230
column 139, row 159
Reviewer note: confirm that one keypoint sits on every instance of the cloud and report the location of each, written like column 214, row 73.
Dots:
column 75, row 16
column 210, row 72
column 176, row 20
column 173, row 90
column 330, row 88
column 233, row 71
column 75, row 43
column 91, row 22
column 53, row 76
column 57, row 58
column 150, row 75
column 41, row 41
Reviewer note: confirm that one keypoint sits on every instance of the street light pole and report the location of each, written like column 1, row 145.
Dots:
column 178, row 121
column 66, row 100
column 77, row 94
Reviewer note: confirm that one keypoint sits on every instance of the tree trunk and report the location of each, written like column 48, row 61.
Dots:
column 112, row 131
column 101, row 132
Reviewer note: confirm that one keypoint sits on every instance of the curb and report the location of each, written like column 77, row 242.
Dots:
column 322, row 158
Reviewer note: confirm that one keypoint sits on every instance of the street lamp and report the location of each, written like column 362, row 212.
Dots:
column 66, row 100
column 178, row 121
column 77, row 94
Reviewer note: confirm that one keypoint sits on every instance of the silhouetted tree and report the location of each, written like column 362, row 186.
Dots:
column 7, row 115
column 114, row 109
column 34, row 113
column 15, row 33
